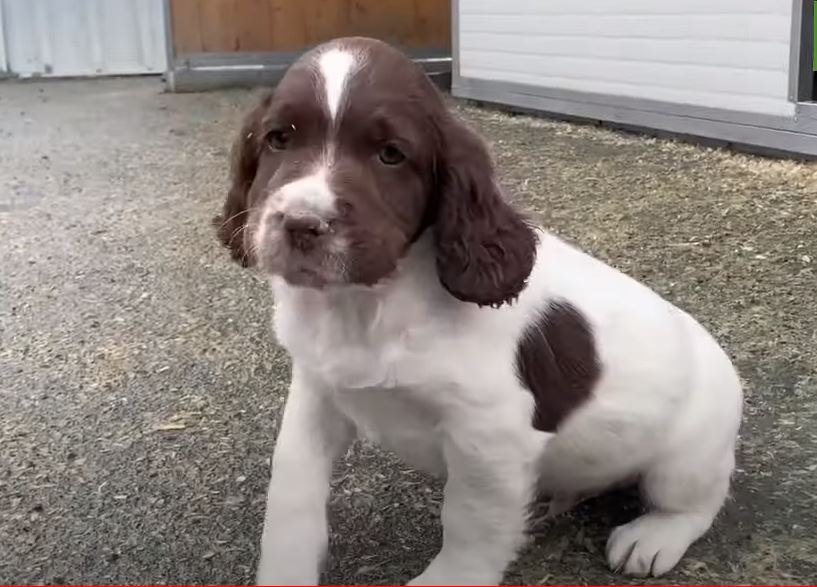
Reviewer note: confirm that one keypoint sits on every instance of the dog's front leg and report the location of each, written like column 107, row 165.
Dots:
column 488, row 489
column 313, row 434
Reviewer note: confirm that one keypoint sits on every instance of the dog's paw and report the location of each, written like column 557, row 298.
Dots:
column 650, row 545
column 440, row 572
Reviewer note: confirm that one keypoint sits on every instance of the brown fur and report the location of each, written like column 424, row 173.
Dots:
column 232, row 222
column 485, row 249
column 557, row 361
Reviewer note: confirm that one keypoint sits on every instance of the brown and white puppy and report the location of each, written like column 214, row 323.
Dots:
column 423, row 312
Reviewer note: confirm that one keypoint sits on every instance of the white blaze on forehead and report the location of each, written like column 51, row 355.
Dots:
column 335, row 66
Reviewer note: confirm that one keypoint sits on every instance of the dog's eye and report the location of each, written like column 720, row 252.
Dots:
column 278, row 140
column 391, row 155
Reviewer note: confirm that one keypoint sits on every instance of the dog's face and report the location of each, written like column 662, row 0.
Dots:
column 345, row 150
column 352, row 157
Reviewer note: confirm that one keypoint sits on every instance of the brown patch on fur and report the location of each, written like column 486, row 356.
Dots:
column 556, row 360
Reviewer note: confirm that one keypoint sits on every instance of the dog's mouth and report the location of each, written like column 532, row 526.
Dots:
column 305, row 277
column 317, row 269
column 317, row 265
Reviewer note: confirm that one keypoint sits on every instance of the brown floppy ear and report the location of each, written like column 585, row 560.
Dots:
column 485, row 248
column 230, row 224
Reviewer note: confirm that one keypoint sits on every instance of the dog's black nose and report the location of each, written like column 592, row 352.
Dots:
column 303, row 231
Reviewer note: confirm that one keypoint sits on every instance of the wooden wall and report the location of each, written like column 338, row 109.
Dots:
column 231, row 26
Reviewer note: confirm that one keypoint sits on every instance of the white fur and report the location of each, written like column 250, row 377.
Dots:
column 433, row 379
column 335, row 66
column 308, row 195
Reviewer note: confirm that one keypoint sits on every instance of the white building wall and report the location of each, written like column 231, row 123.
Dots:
column 83, row 37
column 731, row 54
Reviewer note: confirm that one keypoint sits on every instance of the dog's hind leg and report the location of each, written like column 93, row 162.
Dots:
column 683, row 501
column 687, row 483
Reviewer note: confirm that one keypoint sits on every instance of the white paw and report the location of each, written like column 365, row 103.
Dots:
column 287, row 568
column 651, row 545
column 282, row 577
column 424, row 579
column 441, row 573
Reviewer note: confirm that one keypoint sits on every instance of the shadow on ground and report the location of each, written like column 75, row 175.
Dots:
column 140, row 389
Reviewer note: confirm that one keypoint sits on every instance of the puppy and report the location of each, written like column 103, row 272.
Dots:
column 423, row 312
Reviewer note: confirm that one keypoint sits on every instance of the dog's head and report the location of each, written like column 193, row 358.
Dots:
column 351, row 159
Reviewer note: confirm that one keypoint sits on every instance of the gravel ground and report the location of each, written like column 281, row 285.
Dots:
column 140, row 389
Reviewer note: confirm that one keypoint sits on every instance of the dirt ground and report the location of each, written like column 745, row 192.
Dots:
column 140, row 389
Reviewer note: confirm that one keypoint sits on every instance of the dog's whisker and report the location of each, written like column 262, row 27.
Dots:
column 233, row 217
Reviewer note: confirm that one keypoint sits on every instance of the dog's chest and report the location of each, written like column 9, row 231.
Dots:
column 397, row 420
column 362, row 343
column 388, row 389
column 385, row 372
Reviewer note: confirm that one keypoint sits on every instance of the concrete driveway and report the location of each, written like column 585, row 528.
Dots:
column 140, row 389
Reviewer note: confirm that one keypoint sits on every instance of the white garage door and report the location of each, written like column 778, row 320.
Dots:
column 82, row 37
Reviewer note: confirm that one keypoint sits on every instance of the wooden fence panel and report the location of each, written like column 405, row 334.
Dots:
column 235, row 26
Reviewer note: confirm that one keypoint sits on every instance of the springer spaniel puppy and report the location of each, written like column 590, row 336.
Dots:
column 423, row 312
